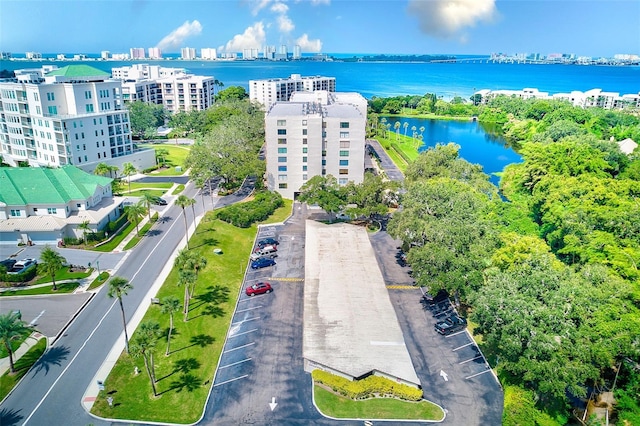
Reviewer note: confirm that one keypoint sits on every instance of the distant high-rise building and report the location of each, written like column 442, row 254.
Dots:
column 188, row 53
column 61, row 57
column 120, row 56
column 272, row 90
column 270, row 52
column 250, row 54
column 297, row 52
column 105, row 54
column 137, row 53
column 5, row 55
column 155, row 53
column 208, row 54
column 33, row 55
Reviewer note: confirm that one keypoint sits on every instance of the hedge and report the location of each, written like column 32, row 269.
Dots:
column 243, row 215
column 401, row 153
column 25, row 276
column 372, row 386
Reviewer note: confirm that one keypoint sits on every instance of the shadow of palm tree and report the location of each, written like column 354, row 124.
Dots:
column 164, row 219
column 201, row 340
column 214, row 311
column 213, row 295
column 182, row 366
column 53, row 356
column 208, row 242
column 10, row 417
column 154, row 232
column 188, row 382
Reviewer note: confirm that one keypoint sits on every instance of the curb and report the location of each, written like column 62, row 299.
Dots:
column 73, row 317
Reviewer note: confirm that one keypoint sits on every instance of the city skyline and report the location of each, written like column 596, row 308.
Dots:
column 335, row 26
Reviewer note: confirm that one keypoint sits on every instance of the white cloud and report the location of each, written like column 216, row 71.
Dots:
column 307, row 45
column 176, row 38
column 317, row 2
column 285, row 24
column 259, row 5
column 279, row 8
column 252, row 38
column 446, row 18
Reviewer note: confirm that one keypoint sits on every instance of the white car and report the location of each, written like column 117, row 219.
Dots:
column 22, row 265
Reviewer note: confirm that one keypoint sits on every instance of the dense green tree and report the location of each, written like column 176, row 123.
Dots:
column 325, row 192
column 145, row 116
column 372, row 196
column 232, row 92
column 51, row 262
column 117, row 288
column 186, row 123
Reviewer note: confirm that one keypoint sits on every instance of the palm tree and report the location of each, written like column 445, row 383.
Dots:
column 148, row 199
column 190, row 261
column 128, row 169
column 421, row 130
column 11, row 328
column 162, row 153
column 405, row 125
column 85, row 226
column 184, row 201
column 388, row 127
column 119, row 287
column 170, row 304
column 396, row 127
column 186, row 278
column 102, row 169
column 413, row 131
column 52, row 262
column 143, row 345
column 383, row 122
column 134, row 213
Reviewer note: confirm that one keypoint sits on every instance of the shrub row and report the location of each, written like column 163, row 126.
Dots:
column 401, row 153
column 260, row 208
column 367, row 388
column 27, row 275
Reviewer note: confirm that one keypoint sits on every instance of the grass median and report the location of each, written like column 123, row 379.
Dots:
column 185, row 376
column 48, row 289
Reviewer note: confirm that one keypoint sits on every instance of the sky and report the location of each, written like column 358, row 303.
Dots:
column 599, row 28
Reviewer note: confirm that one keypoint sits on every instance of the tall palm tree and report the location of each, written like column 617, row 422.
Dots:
column 134, row 213
column 85, row 226
column 128, row 169
column 421, row 130
column 405, row 126
column 396, row 127
column 190, row 261
column 184, row 201
column 143, row 345
column 413, row 131
column 119, row 287
column 383, row 123
column 11, row 328
column 147, row 199
column 52, row 262
column 170, row 304
column 162, row 154
column 186, row 278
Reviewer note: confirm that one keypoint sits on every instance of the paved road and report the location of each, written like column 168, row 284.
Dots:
column 51, row 394
column 73, row 256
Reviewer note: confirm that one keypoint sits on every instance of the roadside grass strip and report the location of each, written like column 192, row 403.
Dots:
column 340, row 407
column 8, row 381
column 62, row 288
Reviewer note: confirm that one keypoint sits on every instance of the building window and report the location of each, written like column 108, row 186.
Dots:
column 344, row 153
column 324, row 153
column 282, row 186
column 344, row 144
column 50, row 96
column 344, row 171
column 282, row 131
column 282, row 168
column 344, row 124
column 15, row 213
column 304, row 141
column 304, row 150
column 304, row 122
column 53, row 110
column 344, row 162
column 304, row 159
column 343, row 181
column 344, row 135
column 87, row 94
column 324, row 162
column 282, row 177
column 282, row 159
column 52, row 210
column 304, row 176
column 304, row 168
column 282, row 150
column 304, row 132
column 281, row 122
column 89, row 107
column 282, row 141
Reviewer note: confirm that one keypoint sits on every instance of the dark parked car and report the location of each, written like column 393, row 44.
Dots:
column 8, row 263
column 434, row 300
column 267, row 242
column 159, row 201
column 258, row 288
column 451, row 325
column 263, row 262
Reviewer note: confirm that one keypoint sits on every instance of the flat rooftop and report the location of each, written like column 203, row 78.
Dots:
column 349, row 322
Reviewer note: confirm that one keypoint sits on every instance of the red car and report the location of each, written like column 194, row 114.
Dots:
column 258, row 288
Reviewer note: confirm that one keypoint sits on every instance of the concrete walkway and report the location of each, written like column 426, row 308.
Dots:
column 28, row 344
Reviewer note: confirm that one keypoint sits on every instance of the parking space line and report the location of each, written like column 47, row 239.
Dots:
column 477, row 374
column 243, row 321
column 472, row 359
column 232, row 380
column 464, row 346
column 285, row 279
column 243, row 333
column 454, row 334
column 239, row 347
column 249, row 309
column 235, row 363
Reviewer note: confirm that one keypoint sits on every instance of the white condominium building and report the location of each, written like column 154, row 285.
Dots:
column 72, row 115
column 589, row 99
column 208, row 54
column 188, row 53
column 186, row 92
column 315, row 134
column 155, row 53
column 137, row 53
column 144, row 72
column 272, row 90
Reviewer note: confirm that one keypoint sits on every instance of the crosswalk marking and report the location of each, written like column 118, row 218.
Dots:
column 286, row 279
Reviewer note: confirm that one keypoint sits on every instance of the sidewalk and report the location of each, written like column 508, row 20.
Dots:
column 28, row 344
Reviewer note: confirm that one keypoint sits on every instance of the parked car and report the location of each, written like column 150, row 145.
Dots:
column 266, row 251
column 267, row 242
column 22, row 265
column 258, row 288
column 263, row 262
column 8, row 263
column 441, row 296
column 451, row 325
column 159, row 201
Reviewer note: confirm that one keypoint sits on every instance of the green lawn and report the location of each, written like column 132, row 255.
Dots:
column 15, row 344
column 116, row 240
column 142, row 185
column 177, row 156
column 280, row 214
column 64, row 274
column 100, row 279
column 7, row 381
column 178, row 190
column 338, row 406
column 184, row 377
column 143, row 231
column 61, row 289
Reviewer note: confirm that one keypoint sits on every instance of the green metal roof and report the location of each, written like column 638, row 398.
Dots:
column 75, row 71
column 40, row 185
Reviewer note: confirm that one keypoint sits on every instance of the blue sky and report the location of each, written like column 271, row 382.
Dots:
column 583, row 27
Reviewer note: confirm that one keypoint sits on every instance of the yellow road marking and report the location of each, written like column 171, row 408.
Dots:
column 402, row 287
